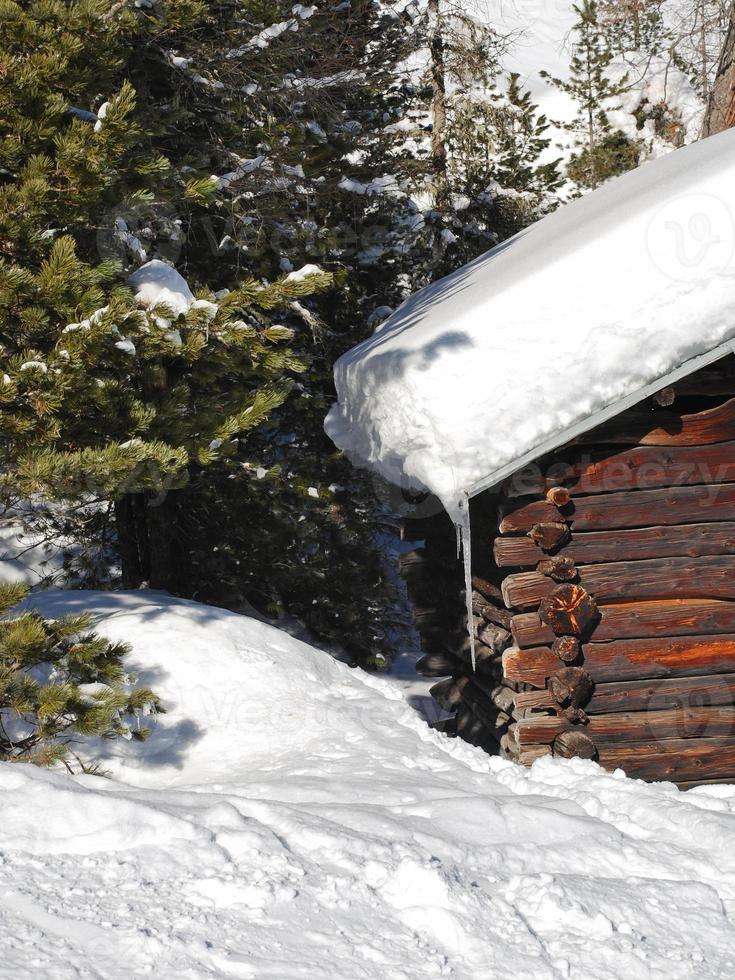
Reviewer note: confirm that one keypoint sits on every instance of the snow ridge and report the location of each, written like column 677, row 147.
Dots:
column 292, row 818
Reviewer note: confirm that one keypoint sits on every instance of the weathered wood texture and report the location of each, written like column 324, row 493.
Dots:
column 481, row 704
column 641, row 468
column 567, row 648
column 624, row 660
column 642, row 508
column 711, row 381
column 627, row 558
column 701, row 759
column 686, row 541
column 665, row 427
column 634, row 726
column 571, row 688
column 488, row 663
column 692, row 578
column 572, row 745
column 550, row 535
column 633, row 620
column 631, row 573
column 447, row 694
column 569, row 610
column 644, row 695
column 535, row 752
column 437, row 665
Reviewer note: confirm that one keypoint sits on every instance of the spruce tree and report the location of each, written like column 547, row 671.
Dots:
column 498, row 145
column 602, row 151
column 633, row 26
column 61, row 683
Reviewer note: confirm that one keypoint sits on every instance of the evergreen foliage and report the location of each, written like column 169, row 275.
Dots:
column 369, row 148
column 602, row 151
column 61, row 683
column 496, row 147
column 634, row 25
column 103, row 398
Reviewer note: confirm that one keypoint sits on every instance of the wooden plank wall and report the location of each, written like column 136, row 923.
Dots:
column 604, row 596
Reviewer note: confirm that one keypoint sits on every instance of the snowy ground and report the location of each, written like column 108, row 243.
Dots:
column 292, row 818
column 28, row 558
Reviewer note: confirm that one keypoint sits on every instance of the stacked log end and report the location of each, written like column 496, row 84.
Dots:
column 604, row 597
column 480, row 701
column 619, row 562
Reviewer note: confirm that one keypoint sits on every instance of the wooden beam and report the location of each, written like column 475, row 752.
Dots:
column 664, row 427
column 686, row 578
column 569, row 610
column 641, row 468
column 634, row 620
column 483, row 707
column 626, row 509
column 531, row 666
column 711, row 382
column 574, row 744
column 685, row 541
column 533, row 752
column 623, row 660
column 487, row 662
column 550, row 535
column 633, row 726
column 644, row 695
column 447, row 693
column 675, row 760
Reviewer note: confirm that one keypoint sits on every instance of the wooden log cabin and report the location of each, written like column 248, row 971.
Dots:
column 602, row 516
column 603, row 595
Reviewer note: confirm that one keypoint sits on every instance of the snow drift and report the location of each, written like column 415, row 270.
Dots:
column 549, row 333
column 291, row 818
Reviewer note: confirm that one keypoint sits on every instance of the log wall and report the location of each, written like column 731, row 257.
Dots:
column 480, row 702
column 604, row 597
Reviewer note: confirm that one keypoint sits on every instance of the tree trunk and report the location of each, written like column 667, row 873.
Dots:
column 721, row 105
column 439, row 106
column 127, row 542
column 160, row 541
column 145, row 540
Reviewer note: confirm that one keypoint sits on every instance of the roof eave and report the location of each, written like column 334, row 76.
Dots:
column 610, row 411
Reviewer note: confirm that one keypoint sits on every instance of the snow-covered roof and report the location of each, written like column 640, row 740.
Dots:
column 581, row 315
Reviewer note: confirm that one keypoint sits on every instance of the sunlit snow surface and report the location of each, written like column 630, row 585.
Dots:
column 291, row 818
column 584, row 308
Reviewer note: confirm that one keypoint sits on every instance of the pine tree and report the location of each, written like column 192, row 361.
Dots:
column 171, row 414
column 634, row 25
column 497, row 144
column 602, row 151
column 61, row 683
column 105, row 397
